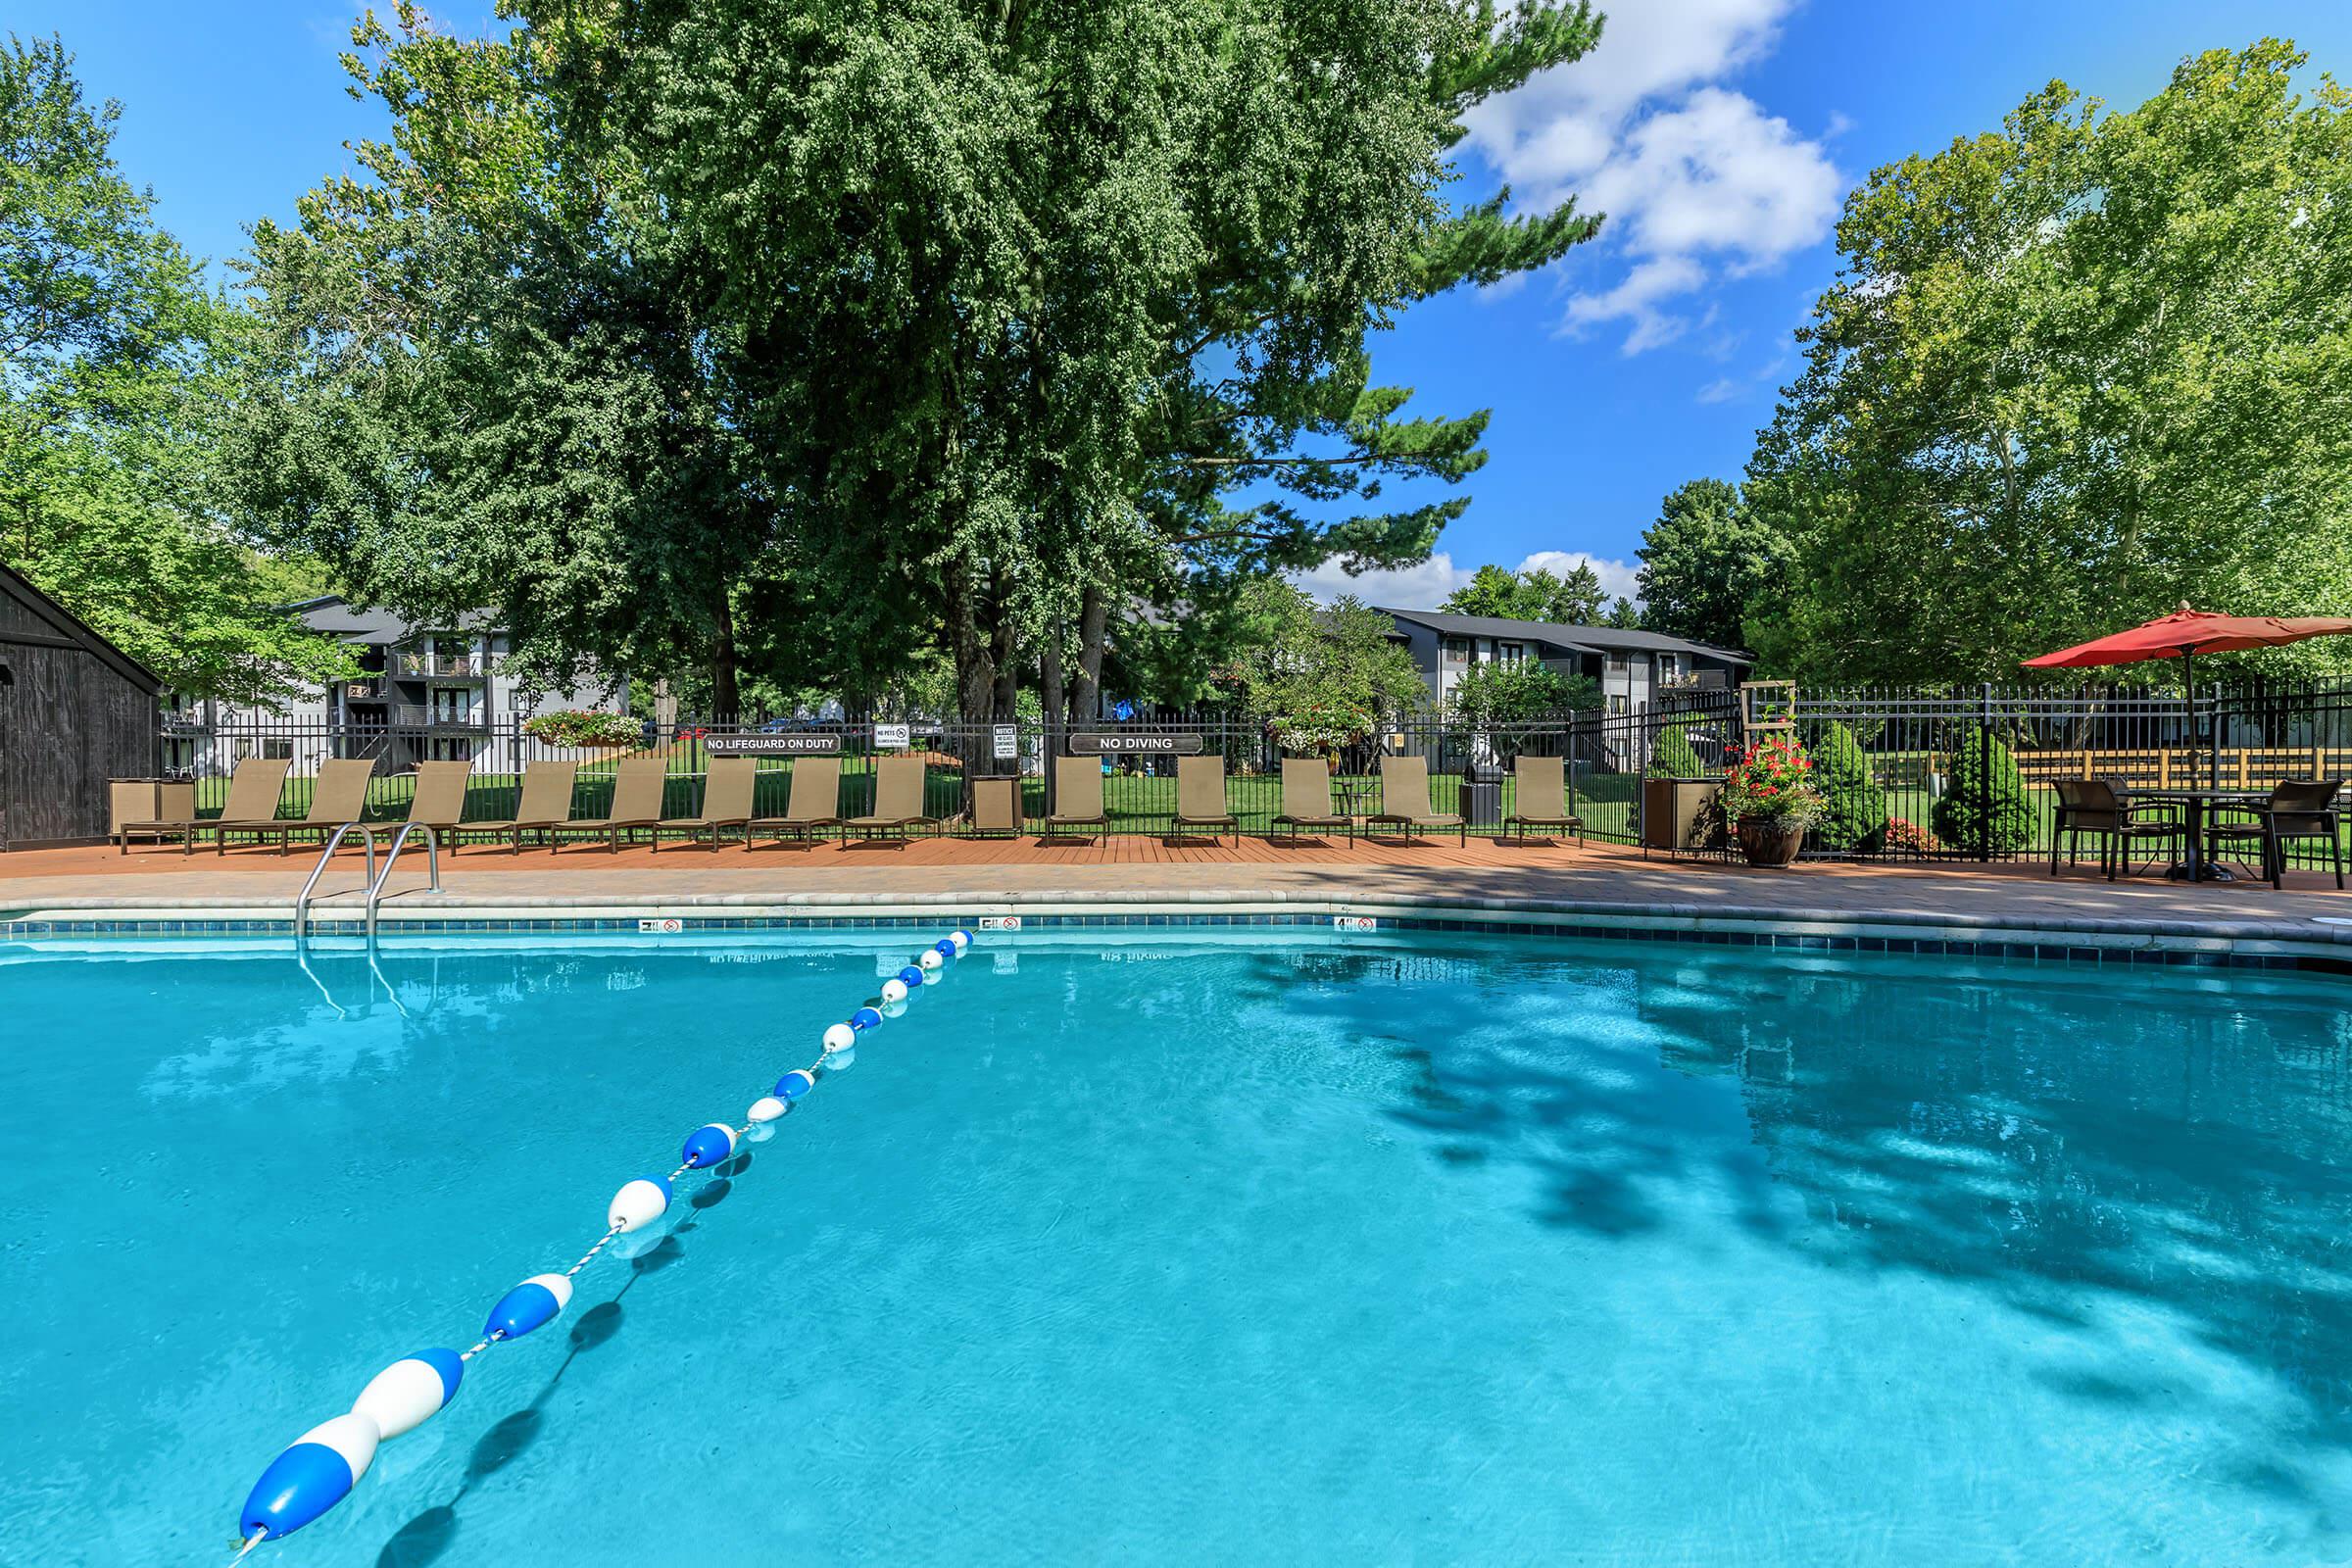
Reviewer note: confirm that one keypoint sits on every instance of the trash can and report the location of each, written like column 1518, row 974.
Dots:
column 1481, row 795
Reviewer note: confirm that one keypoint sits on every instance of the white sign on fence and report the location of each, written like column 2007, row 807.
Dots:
column 891, row 738
column 1008, row 743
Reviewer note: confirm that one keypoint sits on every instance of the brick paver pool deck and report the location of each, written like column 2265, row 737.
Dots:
column 1597, row 883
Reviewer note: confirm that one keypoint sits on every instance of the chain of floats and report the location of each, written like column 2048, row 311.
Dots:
column 318, row 1469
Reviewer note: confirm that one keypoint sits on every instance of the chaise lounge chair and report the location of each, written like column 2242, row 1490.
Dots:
column 1077, row 799
column 726, row 802
column 546, row 804
column 1307, row 797
column 338, row 795
column 1541, row 799
column 1404, row 799
column 815, row 805
column 438, row 801
column 996, row 807
column 1201, row 799
column 253, row 792
column 638, row 783
column 898, row 800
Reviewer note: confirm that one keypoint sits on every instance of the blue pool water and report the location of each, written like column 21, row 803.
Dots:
column 1270, row 1249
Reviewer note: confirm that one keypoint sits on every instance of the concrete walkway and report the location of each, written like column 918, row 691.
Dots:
column 1484, row 875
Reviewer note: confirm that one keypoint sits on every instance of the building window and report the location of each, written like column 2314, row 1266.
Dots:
column 1510, row 653
column 449, row 749
column 1619, row 663
column 454, row 705
column 1619, row 703
column 1670, row 667
column 1456, row 651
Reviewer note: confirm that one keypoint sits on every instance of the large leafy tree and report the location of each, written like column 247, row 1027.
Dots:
column 2074, row 371
column 1536, row 593
column 1708, row 560
column 975, row 320
column 113, row 361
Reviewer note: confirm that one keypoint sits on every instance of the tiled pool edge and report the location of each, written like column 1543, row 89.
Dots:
column 2230, row 944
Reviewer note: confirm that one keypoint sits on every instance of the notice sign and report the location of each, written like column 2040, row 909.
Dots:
column 1355, row 922
column 1110, row 741
column 1000, row 922
column 661, row 928
column 783, row 743
column 1007, row 741
column 892, row 737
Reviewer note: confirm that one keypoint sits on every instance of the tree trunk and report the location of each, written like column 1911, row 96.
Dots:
column 1086, row 693
column 725, row 697
column 1004, row 652
column 975, row 671
column 1048, row 675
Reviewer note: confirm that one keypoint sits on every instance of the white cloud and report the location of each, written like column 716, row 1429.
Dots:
column 1721, row 390
column 1698, row 181
column 1426, row 586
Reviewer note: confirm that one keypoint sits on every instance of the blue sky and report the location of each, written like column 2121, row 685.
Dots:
column 1719, row 135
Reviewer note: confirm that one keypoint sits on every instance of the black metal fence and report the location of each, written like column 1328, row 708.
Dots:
column 1910, row 775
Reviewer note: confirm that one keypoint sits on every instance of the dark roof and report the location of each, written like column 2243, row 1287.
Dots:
column 71, row 630
column 1574, row 639
column 336, row 618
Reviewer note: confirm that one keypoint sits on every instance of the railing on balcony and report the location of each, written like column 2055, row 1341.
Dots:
column 415, row 715
column 465, row 665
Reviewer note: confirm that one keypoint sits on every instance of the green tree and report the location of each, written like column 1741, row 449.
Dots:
column 2073, row 372
column 1983, row 810
column 1320, row 676
column 1856, row 818
column 1706, row 562
column 1493, row 695
column 113, row 372
column 1536, row 593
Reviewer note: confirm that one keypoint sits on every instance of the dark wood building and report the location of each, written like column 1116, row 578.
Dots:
column 75, row 711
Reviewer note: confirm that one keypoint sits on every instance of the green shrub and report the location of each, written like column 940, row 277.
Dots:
column 1857, row 818
column 1983, row 810
column 577, row 727
column 1674, row 757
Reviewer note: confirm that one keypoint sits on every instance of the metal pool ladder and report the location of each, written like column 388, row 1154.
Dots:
column 335, row 841
column 400, row 840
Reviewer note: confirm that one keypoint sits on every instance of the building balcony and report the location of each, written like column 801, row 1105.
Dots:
column 442, row 666
column 416, row 716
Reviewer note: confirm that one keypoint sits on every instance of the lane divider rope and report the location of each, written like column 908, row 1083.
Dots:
column 318, row 1469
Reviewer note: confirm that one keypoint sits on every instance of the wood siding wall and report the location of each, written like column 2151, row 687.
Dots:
column 70, row 723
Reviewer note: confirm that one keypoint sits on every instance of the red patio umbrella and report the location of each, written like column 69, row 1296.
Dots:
column 2186, row 633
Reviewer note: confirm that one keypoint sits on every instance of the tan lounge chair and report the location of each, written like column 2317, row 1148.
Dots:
column 253, row 792
column 546, row 804
column 638, row 783
column 1077, row 799
column 439, row 798
column 726, row 802
column 1404, row 799
column 898, row 800
column 814, row 805
column 1201, row 798
column 1541, row 799
column 1307, row 797
column 338, row 795
column 996, row 807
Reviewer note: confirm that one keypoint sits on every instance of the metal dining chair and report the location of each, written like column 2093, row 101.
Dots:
column 2092, row 806
column 2303, row 808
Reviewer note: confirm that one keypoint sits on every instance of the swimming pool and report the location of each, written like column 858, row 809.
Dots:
column 1168, row 1246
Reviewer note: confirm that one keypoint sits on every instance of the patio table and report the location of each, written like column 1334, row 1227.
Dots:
column 2194, row 867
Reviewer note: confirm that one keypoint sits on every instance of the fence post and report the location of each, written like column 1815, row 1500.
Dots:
column 1985, row 773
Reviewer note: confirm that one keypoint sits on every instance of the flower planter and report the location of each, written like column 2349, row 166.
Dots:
column 1768, row 841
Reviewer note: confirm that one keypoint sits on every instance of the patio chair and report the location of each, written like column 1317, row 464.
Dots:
column 898, row 800
column 814, row 805
column 638, row 783
column 338, row 795
column 546, row 804
column 1201, row 798
column 1077, row 799
column 1307, row 797
column 439, row 798
column 726, row 802
column 995, row 808
column 1404, row 799
column 2092, row 806
column 1540, row 799
column 253, row 792
column 2301, row 809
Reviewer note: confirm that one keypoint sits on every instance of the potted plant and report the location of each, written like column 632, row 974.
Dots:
column 1771, row 801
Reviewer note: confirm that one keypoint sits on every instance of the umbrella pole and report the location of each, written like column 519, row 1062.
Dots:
column 2189, row 684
